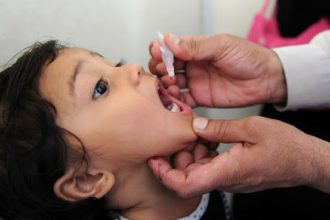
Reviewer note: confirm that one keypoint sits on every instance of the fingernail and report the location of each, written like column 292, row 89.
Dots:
column 155, row 167
column 200, row 123
column 159, row 66
column 174, row 39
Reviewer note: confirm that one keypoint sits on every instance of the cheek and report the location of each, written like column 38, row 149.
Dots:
column 133, row 129
column 123, row 126
column 151, row 131
column 180, row 129
column 137, row 122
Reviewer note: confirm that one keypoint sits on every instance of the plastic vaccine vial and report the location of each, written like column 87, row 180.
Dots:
column 167, row 55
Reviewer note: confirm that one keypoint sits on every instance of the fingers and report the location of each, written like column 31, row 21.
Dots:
column 154, row 50
column 200, row 154
column 189, row 48
column 152, row 65
column 187, row 98
column 196, row 48
column 182, row 160
column 172, row 178
column 181, row 177
column 156, row 60
column 178, row 80
column 226, row 131
column 158, row 67
column 198, row 178
column 174, row 91
column 184, row 48
column 192, row 48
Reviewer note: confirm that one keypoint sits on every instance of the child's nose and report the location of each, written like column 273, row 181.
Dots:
column 135, row 71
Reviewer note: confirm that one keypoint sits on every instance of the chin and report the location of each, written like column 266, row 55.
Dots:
column 178, row 142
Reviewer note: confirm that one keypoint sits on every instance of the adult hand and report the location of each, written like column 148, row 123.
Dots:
column 267, row 154
column 221, row 71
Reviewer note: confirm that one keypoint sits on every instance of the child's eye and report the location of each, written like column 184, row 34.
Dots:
column 100, row 88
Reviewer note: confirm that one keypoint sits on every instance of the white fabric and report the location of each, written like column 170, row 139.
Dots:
column 307, row 72
column 200, row 210
column 195, row 215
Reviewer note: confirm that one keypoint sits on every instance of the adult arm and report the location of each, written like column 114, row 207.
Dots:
column 307, row 73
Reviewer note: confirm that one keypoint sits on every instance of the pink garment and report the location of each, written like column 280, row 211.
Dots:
column 265, row 31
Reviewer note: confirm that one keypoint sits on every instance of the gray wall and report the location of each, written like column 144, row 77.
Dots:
column 115, row 28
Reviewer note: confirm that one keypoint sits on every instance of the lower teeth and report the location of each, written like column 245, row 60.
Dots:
column 173, row 107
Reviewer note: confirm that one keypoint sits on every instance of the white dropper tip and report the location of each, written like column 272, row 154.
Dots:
column 167, row 55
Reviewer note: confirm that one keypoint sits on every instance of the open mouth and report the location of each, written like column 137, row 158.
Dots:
column 170, row 103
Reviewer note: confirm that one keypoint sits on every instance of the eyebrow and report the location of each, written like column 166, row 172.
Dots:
column 93, row 53
column 77, row 70
column 74, row 76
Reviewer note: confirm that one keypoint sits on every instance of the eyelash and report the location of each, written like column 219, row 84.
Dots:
column 101, row 86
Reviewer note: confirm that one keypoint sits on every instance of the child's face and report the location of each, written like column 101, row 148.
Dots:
column 116, row 111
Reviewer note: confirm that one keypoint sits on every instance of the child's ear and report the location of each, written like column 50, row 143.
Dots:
column 74, row 187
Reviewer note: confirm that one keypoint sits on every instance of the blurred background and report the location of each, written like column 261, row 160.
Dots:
column 122, row 29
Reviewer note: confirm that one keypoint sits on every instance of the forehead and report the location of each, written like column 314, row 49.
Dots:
column 65, row 64
column 54, row 81
column 65, row 61
column 62, row 67
column 69, row 55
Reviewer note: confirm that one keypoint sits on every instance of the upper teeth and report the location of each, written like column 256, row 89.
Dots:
column 173, row 107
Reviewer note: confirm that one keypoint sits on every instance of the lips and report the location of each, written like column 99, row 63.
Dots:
column 170, row 103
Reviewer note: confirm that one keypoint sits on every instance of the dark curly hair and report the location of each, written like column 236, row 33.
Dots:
column 33, row 150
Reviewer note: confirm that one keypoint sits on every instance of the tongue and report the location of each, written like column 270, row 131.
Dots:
column 173, row 107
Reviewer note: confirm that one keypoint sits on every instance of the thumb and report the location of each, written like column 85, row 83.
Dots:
column 174, row 179
column 193, row 47
column 226, row 131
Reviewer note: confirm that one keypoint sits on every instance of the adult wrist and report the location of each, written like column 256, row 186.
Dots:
column 322, row 166
column 313, row 163
column 277, row 80
column 306, row 69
